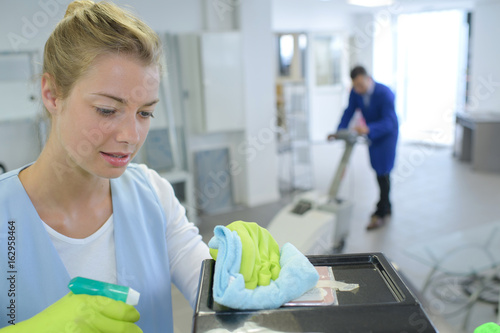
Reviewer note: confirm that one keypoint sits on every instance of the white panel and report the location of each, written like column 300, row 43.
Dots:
column 259, row 148
column 222, row 81
column 18, row 100
column 220, row 16
column 327, row 103
column 326, row 111
column 484, row 94
column 306, row 15
column 19, row 143
column 233, row 140
column 191, row 81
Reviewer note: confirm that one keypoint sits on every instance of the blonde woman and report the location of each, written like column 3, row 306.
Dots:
column 81, row 209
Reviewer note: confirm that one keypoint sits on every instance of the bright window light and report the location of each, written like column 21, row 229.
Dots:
column 370, row 3
column 431, row 74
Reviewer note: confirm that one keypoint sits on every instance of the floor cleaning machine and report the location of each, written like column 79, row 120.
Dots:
column 315, row 223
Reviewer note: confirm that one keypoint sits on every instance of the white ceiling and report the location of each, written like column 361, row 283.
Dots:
column 400, row 5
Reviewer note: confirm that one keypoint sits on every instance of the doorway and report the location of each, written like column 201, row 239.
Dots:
column 431, row 70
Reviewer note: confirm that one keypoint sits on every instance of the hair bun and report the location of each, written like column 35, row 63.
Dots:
column 75, row 6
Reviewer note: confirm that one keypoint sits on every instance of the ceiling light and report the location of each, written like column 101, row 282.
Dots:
column 370, row 3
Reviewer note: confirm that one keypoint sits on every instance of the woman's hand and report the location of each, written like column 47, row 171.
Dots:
column 83, row 314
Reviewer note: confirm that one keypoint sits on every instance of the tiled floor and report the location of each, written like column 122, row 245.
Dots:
column 433, row 194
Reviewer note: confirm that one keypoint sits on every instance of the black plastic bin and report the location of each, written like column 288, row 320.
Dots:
column 383, row 303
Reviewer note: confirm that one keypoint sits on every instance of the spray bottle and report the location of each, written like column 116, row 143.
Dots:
column 80, row 285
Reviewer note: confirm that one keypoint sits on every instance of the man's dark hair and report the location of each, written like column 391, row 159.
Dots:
column 357, row 71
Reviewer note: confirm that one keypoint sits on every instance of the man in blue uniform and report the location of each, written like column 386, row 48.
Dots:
column 376, row 102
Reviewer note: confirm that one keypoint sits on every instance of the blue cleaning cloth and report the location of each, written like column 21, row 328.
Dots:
column 297, row 275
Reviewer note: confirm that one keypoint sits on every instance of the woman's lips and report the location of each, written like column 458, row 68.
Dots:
column 117, row 159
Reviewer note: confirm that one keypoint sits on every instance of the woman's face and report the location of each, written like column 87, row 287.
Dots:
column 105, row 119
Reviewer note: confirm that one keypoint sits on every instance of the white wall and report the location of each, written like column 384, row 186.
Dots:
column 28, row 23
column 169, row 15
column 326, row 104
column 313, row 15
column 259, row 77
column 485, row 69
column 361, row 46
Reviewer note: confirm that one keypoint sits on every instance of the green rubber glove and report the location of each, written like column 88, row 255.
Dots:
column 82, row 314
column 488, row 328
column 260, row 258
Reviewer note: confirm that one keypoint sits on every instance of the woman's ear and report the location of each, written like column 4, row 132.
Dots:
column 49, row 94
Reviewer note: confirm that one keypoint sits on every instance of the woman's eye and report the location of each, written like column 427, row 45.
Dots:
column 105, row 112
column 146, row 114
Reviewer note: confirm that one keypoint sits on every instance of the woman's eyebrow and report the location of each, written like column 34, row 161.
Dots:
column 118, row 99
column 124, row 101
column 152, row 103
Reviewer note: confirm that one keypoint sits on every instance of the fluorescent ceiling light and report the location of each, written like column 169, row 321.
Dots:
column 370, row 3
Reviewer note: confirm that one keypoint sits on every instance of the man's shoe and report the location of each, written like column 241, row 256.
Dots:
column 376, row 222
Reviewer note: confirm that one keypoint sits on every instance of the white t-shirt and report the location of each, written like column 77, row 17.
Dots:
column 94, row 257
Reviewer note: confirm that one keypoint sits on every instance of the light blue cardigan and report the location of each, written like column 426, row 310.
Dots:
column 39, row 276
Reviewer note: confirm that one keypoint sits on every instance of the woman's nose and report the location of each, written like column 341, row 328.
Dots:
column 129, row 130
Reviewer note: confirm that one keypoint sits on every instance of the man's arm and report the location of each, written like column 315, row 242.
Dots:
column 388, row 123
column 349, row 111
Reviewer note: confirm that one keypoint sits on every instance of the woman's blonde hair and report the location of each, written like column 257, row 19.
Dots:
column 91, row 29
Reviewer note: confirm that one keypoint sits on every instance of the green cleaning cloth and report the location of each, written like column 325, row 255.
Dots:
column 260, row 258
column 488, row 328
